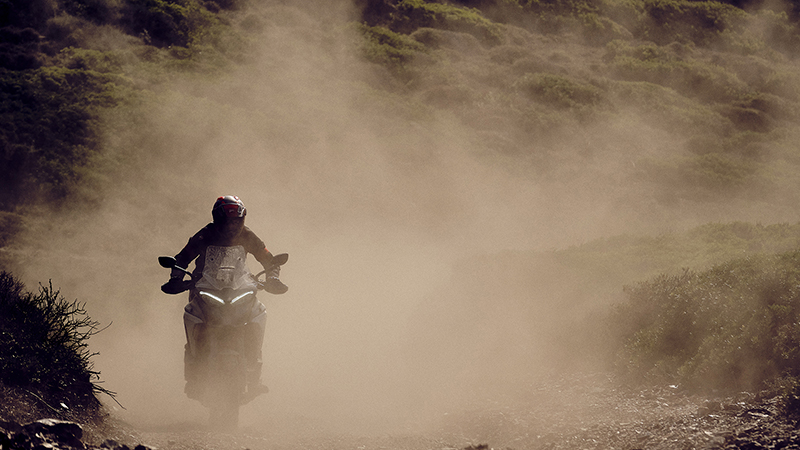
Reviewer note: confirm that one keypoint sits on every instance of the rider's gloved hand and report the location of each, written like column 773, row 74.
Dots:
column 273, row 284
column 174, row 286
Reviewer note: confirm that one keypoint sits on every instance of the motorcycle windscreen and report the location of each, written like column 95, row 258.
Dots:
column 226, row 268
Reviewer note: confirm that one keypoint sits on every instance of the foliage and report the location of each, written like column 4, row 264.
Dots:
column 664, row 66
column 559, row 91
column 733, row 326
column 50, row 114
column 383, row 46
column 689, row 21
column 415, row 14
column 163, row 22
column 25, row 13
column 676, row 62
column 96, row 11
column 626, row 259
column 717, row 75
column 10, row 224
column 43, row 344
column 53, row 91
column 706, row 72
column 790, row 390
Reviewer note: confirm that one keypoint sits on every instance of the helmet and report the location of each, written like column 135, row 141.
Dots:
column 227, row 206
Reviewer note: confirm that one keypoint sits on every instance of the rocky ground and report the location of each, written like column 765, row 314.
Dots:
column 579, row 412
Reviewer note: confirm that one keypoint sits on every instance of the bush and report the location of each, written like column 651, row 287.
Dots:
column 165, row 23
column 43, row 345
column 732, row 327
column 95, row 11
column 414, row 14
column 666, row 109
column 52, row 130
column 559, row 91
column 383, row 46
column 700, row 22
column 672, row 67
column 26, row 13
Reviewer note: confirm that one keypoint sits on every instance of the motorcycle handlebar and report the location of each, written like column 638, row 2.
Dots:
column 169, row 262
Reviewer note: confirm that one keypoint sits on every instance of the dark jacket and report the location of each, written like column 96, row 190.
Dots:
column 209, row 235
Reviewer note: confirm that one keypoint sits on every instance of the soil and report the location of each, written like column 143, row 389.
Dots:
column 590, row 411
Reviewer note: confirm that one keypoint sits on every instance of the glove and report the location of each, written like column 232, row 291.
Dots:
column 174, row 286
column 273, row 285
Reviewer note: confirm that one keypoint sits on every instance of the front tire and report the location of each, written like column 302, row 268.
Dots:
column 224, row 415
column 226, row 391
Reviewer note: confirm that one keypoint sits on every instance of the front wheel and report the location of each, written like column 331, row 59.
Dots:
column 224, row 414
column 226, row 387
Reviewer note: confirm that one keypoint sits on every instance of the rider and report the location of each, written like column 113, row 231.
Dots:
column 226, row 230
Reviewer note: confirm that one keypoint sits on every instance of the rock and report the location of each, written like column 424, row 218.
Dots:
column 51, row 434
column 45, row 433
column 63, row 432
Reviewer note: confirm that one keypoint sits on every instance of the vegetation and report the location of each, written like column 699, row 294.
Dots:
column 707, row 71
column 728, row 324
column 718, row 78
column 51, row 136
column 43, row 347
column 734, row 325
column 57, row 83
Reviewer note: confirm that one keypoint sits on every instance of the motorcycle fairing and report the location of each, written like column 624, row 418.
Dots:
column 226, row 268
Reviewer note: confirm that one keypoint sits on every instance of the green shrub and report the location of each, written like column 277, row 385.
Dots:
column 718, row 171
column 96, row 11
column 789, row 387
column 627, row 13
column 43, row 345
column 681, row 72
column 666, row 109
column 414, row 14
column 52, row 130
column 164, row 23
column 383, row 46
column 734, row 326
column 86, row 59
column 558, row 90
column 700, row 22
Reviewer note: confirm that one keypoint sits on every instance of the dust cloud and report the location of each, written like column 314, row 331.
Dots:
column 375, row 199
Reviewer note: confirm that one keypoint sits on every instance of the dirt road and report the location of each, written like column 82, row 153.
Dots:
column 582, row 411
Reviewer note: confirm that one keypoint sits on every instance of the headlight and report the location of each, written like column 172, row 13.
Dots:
column 213, row 297
column 239, row 297
column 222, row 301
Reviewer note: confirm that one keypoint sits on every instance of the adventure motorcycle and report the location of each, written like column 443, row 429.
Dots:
column 224, row 324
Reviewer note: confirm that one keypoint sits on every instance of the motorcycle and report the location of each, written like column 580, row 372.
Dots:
column 224, row 321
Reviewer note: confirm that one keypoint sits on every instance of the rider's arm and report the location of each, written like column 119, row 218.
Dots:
column 255, row 246
column 191, row 250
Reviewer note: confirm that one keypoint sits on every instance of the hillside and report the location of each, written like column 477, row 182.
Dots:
column 693, row 103
column 663, row 105
column 479, row 197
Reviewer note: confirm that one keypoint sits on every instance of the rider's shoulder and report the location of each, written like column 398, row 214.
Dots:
column 248, row 234
column 205, row 233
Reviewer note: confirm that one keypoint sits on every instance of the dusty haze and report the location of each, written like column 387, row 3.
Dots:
column 373, row 202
